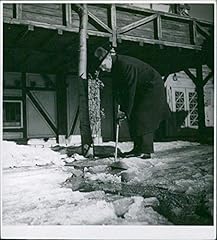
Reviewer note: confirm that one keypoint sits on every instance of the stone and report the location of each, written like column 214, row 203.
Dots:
column 138, row 212
column 121, row 206
column 98, row 169
column 151, row 202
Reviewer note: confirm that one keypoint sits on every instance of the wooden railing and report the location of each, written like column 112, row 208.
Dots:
column 114, row 21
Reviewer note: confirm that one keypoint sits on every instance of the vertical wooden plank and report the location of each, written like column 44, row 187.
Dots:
column 14, row 7
column 193, row 32
column 86, row 138
column 114, row 25
column 61, row 101
column 200, row 99
column 23, row 80
column 19, row 11
column 67, row 14
column 158, row 28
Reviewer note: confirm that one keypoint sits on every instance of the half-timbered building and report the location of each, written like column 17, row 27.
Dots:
column 42, row 45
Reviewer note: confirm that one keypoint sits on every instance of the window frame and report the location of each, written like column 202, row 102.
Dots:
column 21, row 114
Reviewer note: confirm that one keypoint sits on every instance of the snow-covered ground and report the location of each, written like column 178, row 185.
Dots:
column 37, row 188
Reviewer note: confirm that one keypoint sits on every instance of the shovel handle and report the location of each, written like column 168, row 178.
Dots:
column 116, row 142
column 117, row 136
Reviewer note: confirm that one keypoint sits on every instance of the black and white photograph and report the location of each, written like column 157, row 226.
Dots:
column 108, row 119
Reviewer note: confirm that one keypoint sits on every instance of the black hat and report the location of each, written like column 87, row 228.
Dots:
column 101, row 53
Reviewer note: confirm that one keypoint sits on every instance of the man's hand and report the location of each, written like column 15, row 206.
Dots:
column 121, row 116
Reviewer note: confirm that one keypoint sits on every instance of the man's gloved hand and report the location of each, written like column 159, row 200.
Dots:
column 121, row 116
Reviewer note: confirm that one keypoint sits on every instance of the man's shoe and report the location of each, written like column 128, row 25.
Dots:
column 132, row 153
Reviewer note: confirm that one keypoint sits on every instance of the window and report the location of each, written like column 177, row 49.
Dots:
column 185, row 99
column 12, row 114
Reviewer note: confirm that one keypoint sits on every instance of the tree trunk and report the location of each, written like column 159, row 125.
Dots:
column 85, row 131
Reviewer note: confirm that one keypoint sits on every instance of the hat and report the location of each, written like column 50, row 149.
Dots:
column 101, row 53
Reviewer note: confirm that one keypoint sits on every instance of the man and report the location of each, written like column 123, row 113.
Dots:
column 139, row 89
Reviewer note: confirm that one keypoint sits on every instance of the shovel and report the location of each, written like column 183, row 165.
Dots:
column 116, row 141
column 117, row 164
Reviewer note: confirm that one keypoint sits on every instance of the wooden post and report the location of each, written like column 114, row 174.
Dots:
column 61, row 99
column 158, row 28
column 85, row 131
column 200, row 100
column 67, row 14
column 19, row 11
column 114, row 25
column 193, row 33
column 23, row 78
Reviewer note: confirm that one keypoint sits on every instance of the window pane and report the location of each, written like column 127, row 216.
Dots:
column 12, row 114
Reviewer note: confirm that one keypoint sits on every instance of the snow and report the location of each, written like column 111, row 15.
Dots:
column 15, row 155
column 39, row 190
column 103, row 177
column 139, row 212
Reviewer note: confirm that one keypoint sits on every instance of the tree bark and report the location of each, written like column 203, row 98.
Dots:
column 85, row 131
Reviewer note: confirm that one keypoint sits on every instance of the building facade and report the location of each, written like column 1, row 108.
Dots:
column 41, row 84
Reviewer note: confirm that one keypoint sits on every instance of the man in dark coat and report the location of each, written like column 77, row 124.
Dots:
column 139, row 89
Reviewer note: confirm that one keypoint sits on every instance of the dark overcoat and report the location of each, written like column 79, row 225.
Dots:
column 139, row 89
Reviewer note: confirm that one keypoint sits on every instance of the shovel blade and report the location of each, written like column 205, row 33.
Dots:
column 119, row 165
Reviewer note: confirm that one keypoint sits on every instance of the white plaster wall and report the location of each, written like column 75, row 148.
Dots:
column 185, row 82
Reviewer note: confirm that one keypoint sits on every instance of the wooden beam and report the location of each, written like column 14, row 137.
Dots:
column 60, row 32
column 41, row 111
column 165, row 77
column 24, row 91
column 113, row 25
column 158, row 28
column 154, row 41
column 12, row 97
column 136, row 24
column 200, row 100
column 19, row 10
column 68, row 14
column 119, row 40
column 207, row 78
column 14, row 9
column 193, row 32
column 14, row 130
column 40, row 24
column 31, row 27
column 74, row 122
column 141, row 44
column 99, row 34
column 61, row 103
column 47, row 80
column 165, row 14
column 99, row 22
column 204, row 32
column 191, row 76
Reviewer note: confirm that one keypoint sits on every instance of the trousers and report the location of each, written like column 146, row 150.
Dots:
column 144, row 143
